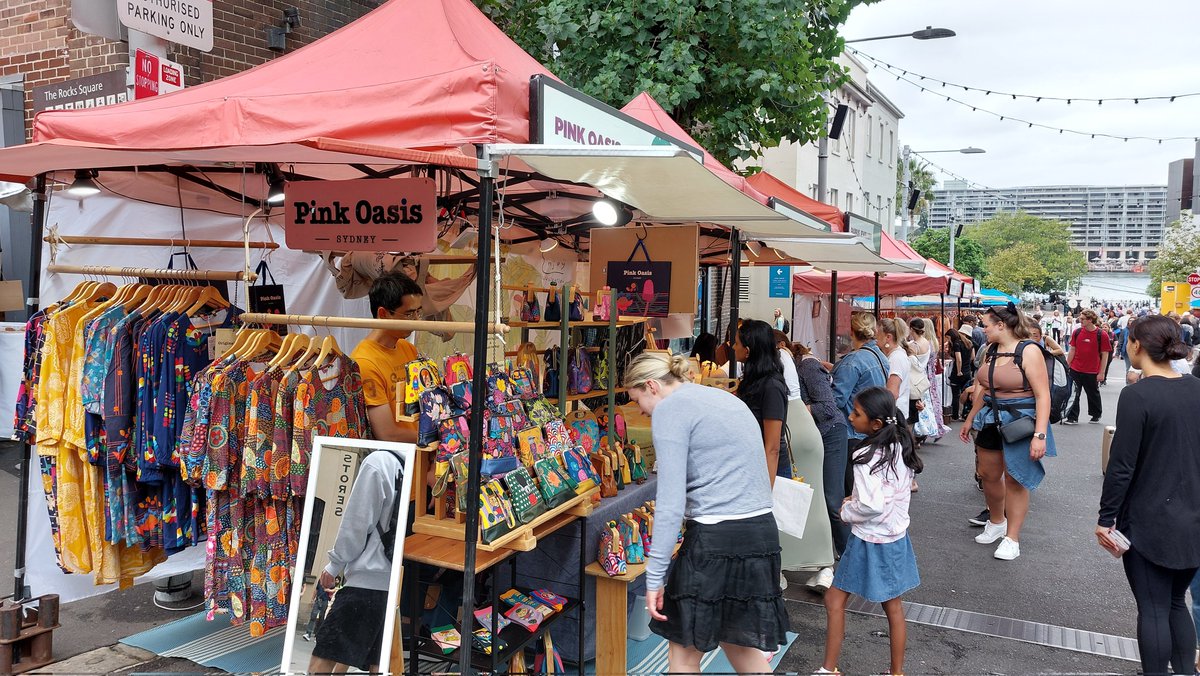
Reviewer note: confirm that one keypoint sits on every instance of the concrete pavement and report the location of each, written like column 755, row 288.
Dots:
column 1062, row 577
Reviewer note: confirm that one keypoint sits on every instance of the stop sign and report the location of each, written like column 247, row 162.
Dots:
column 1194, row 278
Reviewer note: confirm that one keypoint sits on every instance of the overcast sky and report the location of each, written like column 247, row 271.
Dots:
column 1083, row 48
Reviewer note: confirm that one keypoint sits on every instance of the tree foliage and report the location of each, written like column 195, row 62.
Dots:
column 1047, row 242
column 1178, row 256
column 1017, row 269
column 969, row 258
column 922, row 179
column 739, row 75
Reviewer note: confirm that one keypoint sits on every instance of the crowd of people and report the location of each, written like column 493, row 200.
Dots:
column 867, row 417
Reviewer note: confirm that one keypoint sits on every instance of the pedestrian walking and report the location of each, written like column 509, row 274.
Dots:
column 722, row 588
column 1008, row 392
column 879, row 564
column 1087, row 358
column 866, row 365
column 962, row 371
column 1150, row 495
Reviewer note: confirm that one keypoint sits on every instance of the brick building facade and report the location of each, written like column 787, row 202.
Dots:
column 39, row 45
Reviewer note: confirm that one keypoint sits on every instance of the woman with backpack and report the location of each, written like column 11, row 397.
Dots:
column 1010, row 415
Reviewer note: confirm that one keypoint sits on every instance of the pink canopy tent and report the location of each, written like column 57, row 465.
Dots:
column 863, row 284
column 772, row 186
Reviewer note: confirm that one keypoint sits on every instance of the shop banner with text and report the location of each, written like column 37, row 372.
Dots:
column 373, row 214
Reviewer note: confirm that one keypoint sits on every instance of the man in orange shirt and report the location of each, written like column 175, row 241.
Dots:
column 383, row 354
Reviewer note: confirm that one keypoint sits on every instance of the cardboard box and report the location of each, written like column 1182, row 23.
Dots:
column 12, row 296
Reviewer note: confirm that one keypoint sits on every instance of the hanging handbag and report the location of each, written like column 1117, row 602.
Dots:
column 461, row 393
column 580, row 473
column 579, row 371
column 539, row 411
column 458, row 467
column 602, row 464
column 436, row 405
column 603, row 305
column 551, row 374
column 611, row 553
column 527, row 358
column 557, row 437
column 584, row 429
column 522, row 382
column 527, row 502
column 268, row 298
column 553, row 482
column 553, row 307
column 531, row 311
column 575, row 309
column 423, row 374
column 791, row 497
column 601, row 373
column 637, row 464
column 458, row 369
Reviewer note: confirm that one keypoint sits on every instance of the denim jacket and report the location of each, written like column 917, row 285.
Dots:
column 856, row 372
column 1028, row 472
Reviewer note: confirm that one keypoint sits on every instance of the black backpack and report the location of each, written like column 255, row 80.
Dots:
column 1061, row 385
column 388, row 537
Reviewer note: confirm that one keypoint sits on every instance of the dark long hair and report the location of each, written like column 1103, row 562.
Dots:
column 705, row 347
column 762, row 362
column 1160, row 338
column 879, row 404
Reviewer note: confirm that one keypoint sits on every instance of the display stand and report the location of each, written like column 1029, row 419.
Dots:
column 612, row 615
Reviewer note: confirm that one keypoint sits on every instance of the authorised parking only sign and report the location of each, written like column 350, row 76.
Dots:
column 186, row 22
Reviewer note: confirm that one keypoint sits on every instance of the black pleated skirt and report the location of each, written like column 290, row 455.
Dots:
column 723, row 587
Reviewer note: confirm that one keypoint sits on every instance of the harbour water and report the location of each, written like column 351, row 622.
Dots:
column 1114, row 286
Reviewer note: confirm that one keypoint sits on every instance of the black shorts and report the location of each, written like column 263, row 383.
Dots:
column 989, row 438
column 352, row 633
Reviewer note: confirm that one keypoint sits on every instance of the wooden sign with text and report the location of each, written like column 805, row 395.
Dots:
column 374, row 214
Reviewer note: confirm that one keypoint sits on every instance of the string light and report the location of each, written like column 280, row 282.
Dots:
column 1170, row 98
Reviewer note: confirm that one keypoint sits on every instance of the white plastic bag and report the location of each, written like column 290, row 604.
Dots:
column 792, row 500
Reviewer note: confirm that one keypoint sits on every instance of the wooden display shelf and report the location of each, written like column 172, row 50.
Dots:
column 523, row 538
column 621, row 321
column 590, row 395
column 632, row 571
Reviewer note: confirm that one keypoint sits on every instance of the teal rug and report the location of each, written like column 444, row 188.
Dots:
column 650, row 657
column 215, row 644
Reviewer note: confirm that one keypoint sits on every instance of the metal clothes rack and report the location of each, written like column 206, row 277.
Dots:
column 363, row 323
column 153, row 273
column 158, row 241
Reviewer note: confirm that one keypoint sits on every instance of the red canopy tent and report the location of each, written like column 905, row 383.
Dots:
column 772, row 186
column 863, row 283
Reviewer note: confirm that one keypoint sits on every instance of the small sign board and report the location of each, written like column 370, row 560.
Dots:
column 105, row 89
column 781, row 282
column 1194, row 278
column 1196, row 291
column 154, row 75
column 643, row 288
column 371, row 214
column 185, row 22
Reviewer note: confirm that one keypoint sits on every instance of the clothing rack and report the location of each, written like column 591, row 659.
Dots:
column 152, row 273
column 364, row 323
column 159, row 241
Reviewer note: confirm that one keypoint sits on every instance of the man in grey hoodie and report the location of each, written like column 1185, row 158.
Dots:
column 352, row 633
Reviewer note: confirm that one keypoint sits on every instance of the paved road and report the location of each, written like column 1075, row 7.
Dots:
column 1062, row 577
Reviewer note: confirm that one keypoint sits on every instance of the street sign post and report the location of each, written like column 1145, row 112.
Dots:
column 1194, row 278
column 1196, row 291
column 154, row 75
column 186, row 22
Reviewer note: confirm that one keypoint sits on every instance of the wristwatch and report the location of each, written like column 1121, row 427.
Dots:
column 1040, row 435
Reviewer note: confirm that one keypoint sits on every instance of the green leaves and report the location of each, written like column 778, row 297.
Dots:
column 1178, row 256
column 969, row 258
column 1032, row 252
column 740, row 76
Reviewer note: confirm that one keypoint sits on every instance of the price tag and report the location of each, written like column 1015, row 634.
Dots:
column 220, row 342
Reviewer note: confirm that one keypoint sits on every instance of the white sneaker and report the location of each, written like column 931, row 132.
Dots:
column 992, row 532
column 821, row 581
column 782, row 581
column 823, row 670
column 1008, row 550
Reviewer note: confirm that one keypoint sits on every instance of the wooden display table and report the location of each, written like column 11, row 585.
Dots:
column 612, row 616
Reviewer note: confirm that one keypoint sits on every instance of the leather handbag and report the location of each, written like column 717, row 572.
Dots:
column 584, row 429
column 553, row 482
column 526, row 500
column 602, row 463
column 496, row 515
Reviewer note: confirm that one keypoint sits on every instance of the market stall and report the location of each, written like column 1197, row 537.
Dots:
column 462, row 132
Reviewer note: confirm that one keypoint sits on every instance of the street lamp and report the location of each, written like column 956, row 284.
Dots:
column 906, row 180
column 930, row 33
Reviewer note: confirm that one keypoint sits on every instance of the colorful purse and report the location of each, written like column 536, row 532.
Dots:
column 527, row 358
column 459, row 468
column 458, row 368
column 484, row 617
column 549, row 598
column 551, row 373
column 575, row 309
column 436, row 405
column 579, row 371
column 539, row 411
column 637, row 465
column 608, row 423
column 553, row 308
column 645, row 523
column 423, row 374
column 522, row 383
column 523, row 493
column 580, row 474
column 611, row 553
column 531, row 311
column 499, row 386
column 530, row 446
column 602, row 464
column 496, row 517
column 499, row 455
column 557, row 437
column 507, row 416
column 553, row 482
column 631, row 540
column 584, row 429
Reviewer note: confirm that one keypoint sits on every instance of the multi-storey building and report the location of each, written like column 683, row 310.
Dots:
column 1118, row 227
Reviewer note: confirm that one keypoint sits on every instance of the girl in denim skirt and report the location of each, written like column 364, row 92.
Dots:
column 878, row 564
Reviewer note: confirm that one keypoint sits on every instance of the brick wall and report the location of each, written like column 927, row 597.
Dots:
column 39, row 42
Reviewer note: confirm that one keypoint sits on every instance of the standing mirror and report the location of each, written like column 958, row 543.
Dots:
column 349, row 557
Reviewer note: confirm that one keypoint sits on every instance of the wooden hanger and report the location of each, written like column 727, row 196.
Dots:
column 137, row 296
column 293, row 344
column 310, row 351
column 328, row 346
column 80, row 291
column 209, row 297
column 101, row 290
column 239, row 343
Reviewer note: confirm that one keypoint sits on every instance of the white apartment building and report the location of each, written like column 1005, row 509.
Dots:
column 1118, row 227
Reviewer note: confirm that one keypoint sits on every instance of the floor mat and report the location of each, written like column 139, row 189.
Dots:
column 214, row 644
column 650, row 657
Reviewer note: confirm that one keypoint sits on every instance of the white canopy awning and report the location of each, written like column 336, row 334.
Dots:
column 663, row 182
column 831, row 255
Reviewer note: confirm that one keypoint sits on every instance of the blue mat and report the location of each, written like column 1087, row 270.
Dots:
column 215, row 644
